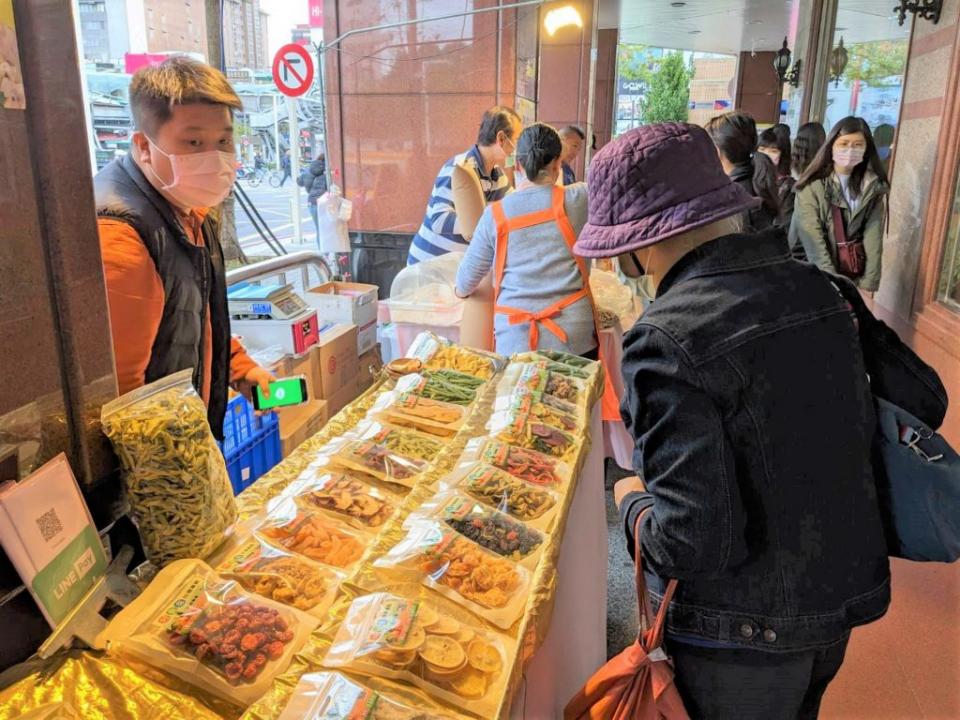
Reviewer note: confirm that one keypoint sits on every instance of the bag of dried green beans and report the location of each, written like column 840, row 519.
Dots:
column 176, row 480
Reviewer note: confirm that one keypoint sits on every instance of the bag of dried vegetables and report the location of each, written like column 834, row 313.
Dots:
column 405, row 409
column 536, row 506
column 403, row 441
column 445, row 385
column 486, row 526
column 534, row 467
column 176, row 481
column 518, row 426
column 367, row 458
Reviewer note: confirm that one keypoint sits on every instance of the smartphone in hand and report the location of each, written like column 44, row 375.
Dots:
column 283, row 393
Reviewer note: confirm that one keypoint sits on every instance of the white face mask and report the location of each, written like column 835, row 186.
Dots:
column 511, row 157
column 200, row 180
column 848, row 158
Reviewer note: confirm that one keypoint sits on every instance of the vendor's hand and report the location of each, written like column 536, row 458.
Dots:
column 256, row 377
column 624, row 487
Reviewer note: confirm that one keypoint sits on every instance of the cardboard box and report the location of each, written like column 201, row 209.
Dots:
column 370, row 366
column 343, row 397
column 298, row 424
column 367, row 337
column 344, row 303
column 335, row 361
column 295, row 336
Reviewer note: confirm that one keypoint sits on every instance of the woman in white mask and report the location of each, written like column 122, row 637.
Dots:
column 840, row 209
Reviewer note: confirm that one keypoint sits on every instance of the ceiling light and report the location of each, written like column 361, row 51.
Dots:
column 694, row 32
column 564, row 16
column 677, row 4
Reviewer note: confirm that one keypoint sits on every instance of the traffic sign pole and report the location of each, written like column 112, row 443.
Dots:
column 293, row 124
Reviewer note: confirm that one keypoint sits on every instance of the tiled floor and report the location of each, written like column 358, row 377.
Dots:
column 905, row 666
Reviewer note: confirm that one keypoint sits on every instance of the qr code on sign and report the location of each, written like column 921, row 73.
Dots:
column 49, row 524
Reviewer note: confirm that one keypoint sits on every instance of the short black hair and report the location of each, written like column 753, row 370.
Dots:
column 573, row 130
column 499, row 118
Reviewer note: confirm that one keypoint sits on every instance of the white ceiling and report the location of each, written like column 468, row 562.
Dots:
column 731, row 26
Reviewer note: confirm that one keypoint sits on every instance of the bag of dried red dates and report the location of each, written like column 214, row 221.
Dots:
column 209, row 631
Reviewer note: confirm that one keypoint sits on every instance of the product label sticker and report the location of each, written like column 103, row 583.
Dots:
column 190, row 598
column 393, row 622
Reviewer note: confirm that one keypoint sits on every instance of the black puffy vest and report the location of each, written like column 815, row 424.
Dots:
column 193, row 279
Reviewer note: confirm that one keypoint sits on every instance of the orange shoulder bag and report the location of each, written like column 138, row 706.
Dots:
column 638, row 683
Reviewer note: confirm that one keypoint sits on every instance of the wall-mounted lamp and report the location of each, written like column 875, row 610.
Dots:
column 565, row 16
column 781, row 63
column 838, row 62
column 926, row 9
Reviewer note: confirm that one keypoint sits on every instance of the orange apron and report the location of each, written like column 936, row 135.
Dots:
column 610, row 404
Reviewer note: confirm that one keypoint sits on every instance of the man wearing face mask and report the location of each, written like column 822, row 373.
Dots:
column 493, row 156
column 161, row 253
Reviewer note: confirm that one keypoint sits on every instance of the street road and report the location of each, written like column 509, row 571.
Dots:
column 276, row 207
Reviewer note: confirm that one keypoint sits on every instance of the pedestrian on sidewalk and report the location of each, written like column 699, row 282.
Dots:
column 284, row 166
column 313, row 179
column 750, row 402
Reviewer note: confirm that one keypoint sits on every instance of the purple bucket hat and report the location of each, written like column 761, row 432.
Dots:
column 652, row 183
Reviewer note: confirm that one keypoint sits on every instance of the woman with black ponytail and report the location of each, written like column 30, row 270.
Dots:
column 541, row 300
column 735, row 135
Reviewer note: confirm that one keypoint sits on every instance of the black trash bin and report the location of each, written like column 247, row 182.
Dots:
column 378, row 257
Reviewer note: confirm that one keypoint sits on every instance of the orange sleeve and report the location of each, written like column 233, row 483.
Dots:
column 135, row 298
column 240, row 362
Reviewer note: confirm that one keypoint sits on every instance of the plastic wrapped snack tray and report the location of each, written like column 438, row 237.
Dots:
column 391, row 636
column 311, row 534
column 486, row 526
column 445, row 385
column 430, row 416
column 277, row 574
column 536, row 506
column 516, row 427
column 536, row 468
column 488, row 585
column 333, row 696
column 438, row 353
column 406, row 442
column 176, row 480
column 370, row 458
column 343, row 496
column 208, row 631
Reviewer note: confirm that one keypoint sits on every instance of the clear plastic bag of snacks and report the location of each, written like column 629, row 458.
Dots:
column 312, row 534
column 344, row 496
column 516, row 426
column 332, row 696
column 394, row 637
column 439, row 557
column 371, row 459
column 208, row 631
column 487, row 527
column 445, row 385
column 542, row 408
column 430, row 416
column 403, row 441
column 536, row 377
column 572, row 365
column 438, row 353
column 497, row 489
column 274, row 573
column 177, row 483
column 529, row 465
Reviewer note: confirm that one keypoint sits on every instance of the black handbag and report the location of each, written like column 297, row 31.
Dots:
column 918, row 483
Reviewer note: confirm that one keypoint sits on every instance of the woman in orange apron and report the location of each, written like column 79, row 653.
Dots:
column 541, row 289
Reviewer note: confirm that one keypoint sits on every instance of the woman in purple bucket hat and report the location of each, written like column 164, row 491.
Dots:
column 748, row 397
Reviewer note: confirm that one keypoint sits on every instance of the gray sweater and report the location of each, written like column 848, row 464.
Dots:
column 539, row 271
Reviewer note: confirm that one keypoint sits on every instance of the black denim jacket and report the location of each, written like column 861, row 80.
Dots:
column 750, row 404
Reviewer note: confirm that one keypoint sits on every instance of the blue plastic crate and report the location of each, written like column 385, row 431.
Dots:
column 251, row 444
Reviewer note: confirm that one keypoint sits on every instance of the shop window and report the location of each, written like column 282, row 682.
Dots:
column 949, row 290
column 870, row 84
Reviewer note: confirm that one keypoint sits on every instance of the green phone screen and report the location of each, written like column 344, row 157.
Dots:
column 288, row 391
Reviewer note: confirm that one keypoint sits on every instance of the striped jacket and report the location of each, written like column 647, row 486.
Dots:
column 436, row 235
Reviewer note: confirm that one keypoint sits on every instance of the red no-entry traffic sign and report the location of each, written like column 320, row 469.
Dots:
column 293, row 70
